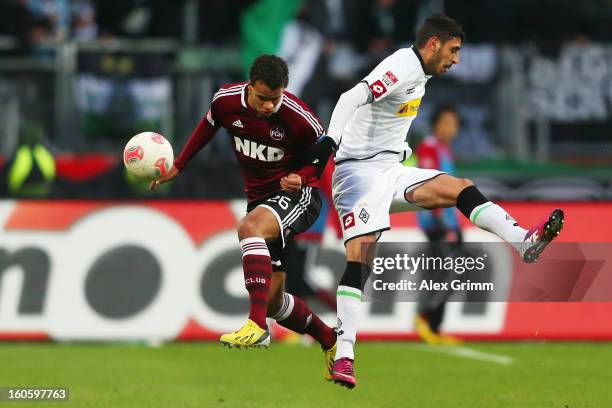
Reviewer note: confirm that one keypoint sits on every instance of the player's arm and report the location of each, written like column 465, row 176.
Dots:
column 316, row 157
column 201, row 135
column 316, row 147
column 376, row 86
column 317, row 154
column 348, row 103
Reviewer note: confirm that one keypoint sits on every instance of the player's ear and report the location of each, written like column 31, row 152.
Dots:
column 434, row 44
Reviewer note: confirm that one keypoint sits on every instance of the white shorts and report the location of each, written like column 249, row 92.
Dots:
column 367, row 191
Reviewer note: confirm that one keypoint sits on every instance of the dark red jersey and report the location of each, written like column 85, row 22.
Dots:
column 266, row 148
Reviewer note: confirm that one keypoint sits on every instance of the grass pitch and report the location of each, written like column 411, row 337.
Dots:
column 388, row 375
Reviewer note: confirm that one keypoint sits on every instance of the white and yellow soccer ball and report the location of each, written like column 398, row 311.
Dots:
column 148, row 155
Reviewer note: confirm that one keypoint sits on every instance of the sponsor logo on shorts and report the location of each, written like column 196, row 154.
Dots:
column 348, row 221
column 378, row 89
column 364, row 216
column 410, row 108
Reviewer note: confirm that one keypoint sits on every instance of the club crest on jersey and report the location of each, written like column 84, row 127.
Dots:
column 410, row 108
column 348, row 221
column 364, row 216
column 389, row 78
column 277, row 132
column 378, row 89
column 258, row 151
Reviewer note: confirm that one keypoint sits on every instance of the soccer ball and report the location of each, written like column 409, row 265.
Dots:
column 148, row 155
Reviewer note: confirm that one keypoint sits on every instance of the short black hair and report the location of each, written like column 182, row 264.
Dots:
column 441, row 26
column 271, row 70
column 439, row 111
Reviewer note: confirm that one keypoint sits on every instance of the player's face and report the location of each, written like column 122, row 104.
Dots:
column 262, row 99
column 447, row 55
column 447, row 127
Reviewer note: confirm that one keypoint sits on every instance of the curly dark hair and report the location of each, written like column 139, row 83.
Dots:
column 271, row 70
column 441, row 26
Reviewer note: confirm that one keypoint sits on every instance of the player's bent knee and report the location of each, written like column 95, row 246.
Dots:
column 464, row 183
column 461, row 184
column 447, row 195
column 248, row 228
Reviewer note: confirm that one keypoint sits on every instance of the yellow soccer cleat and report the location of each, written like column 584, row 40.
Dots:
column 423, row 330
column 249, row 335
column 450, row 340
column 329, row 355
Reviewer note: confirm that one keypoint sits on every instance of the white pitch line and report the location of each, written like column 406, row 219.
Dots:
column 471, row 353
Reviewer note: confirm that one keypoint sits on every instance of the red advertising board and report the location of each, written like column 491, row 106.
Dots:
column 87, row 270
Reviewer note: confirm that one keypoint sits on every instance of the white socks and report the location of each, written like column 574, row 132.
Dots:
column 491, row 217
column 349, row 311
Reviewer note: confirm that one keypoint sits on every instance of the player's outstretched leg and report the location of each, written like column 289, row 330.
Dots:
column 491, row 217
column 295, row 315
column 446, row 191
column 257, row 274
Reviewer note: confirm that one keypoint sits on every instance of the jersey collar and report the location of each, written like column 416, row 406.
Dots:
column 418, row 55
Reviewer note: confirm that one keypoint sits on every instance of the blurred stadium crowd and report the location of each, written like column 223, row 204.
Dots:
column 79, row 77
column 369, row 25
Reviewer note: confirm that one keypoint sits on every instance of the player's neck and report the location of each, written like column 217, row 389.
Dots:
column 424, row 57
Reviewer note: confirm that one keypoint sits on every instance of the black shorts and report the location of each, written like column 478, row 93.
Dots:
column 295, row 213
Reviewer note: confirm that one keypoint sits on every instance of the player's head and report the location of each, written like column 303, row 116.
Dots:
column 268, row 78
column 445, row 123
column 439, row 41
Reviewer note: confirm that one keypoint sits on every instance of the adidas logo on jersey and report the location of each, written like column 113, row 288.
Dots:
column 238, row 124
column 258, row 151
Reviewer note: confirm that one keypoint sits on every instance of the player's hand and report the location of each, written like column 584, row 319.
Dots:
column 291, row 182
column 171, row 175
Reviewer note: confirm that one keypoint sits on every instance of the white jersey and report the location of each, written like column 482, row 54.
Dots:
column 397, row 85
